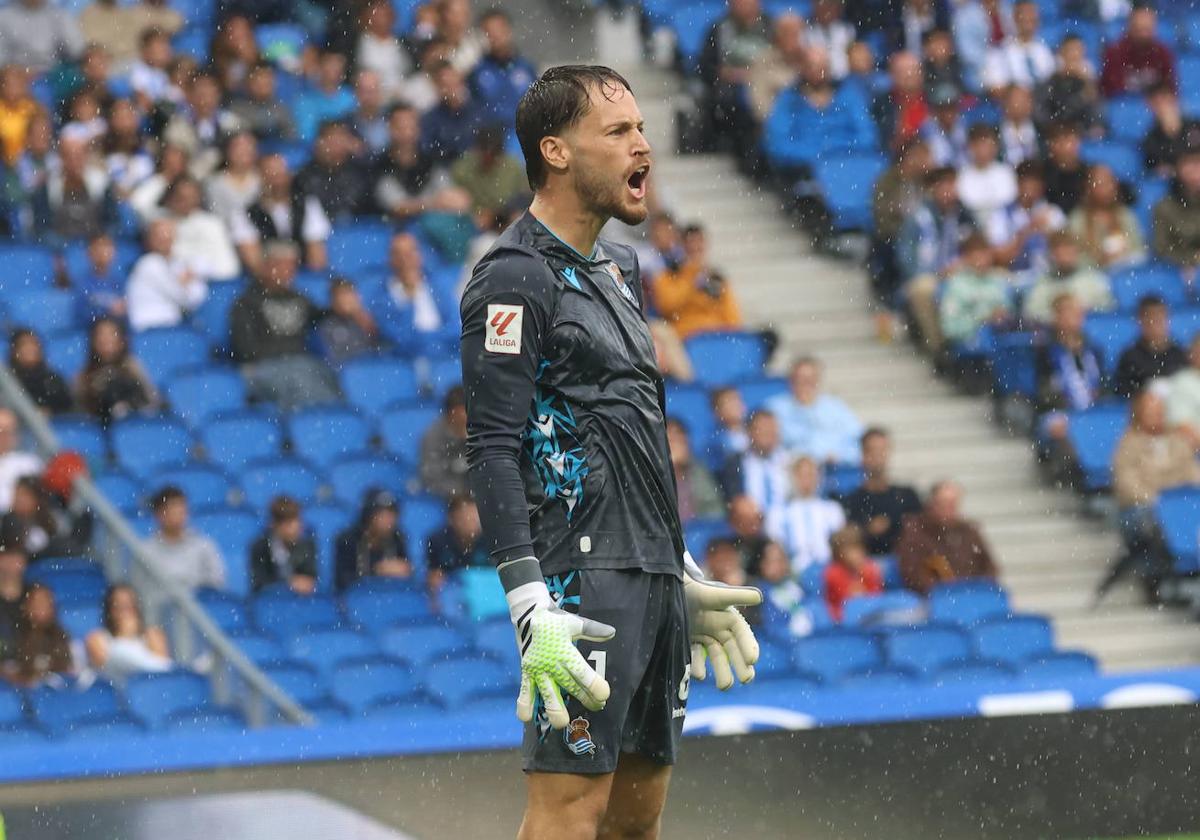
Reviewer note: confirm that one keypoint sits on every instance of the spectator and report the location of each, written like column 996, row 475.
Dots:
column 809, row 519
column 943, row 130
column 1067, row 274
column 123, row 644
column 761, row 472
column 696, row 297
column 12, row 591
column 986, row 186
column 783, row 610
column 1108, row 229
column 33, row 516
column 327, row 99
column 163, row 289
column 17, row 109
column 1070, row 96
column 828, row 30
column 776, row 67
column 27, row 361
column 116, row 27
column 722, row 563
column 1170, row 134
column 1018, row 136
column 183, row 556
column 1182, row 394
column 975, row 294
column 664, row 252
column 1155, row 354
column 502, row 75
column 746, row 523
column 898, row 195
column 878, row 507
column 100, row 287
column 457, row 546
column 492, row 178
column 201, row 238
column 730, row 49
column 281, row 214
column 1022, row 235
column 407, row 180
column 347, row 330
column 113, row 384
column 148, row 76
column 697, row 492
column 940, row 64
column 863, row 70
column 420, row 92
column 851, row 572
column 1176, row 221
column 375, row 546
column 172, row 163
column 42, row 647
column 200, row 125
column 333, row 177
column 379, row 50
column 901, row 111
column 284, row 554
column 125, row 157
column 815, row 423
column 259, row 110
column 235, row 187
column 368, row 124
column 444, row 449
column 450, row 126
column 938, row 545
column 75, row 201
column 269, row 326
column 978, row 26
column 1138, row 60
column 1068, row 378
column 454, row 28
column 1065, row 172
column 15, row 463
column 417, row 320
column 37, row 35
column 1023, row 59
column 730, row 437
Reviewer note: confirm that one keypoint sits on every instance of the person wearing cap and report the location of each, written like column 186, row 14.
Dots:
column 1176, row 222
column 444, row 449
column 375, row 545
column 284, row 553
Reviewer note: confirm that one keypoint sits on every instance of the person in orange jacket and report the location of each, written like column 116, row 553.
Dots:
column 695, row 297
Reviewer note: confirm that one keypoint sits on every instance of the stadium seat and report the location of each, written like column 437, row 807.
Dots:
column 323, row 436
column 443, row 374
column 78, row 620
column 847, row 184
column 1013, row 640
column 66, row 352
column 205, row 719
column 57, row 710
column 143, row 445
column 774, row 661
column 234, row 440
column 1178, row 513
column 260, row 649
column 116, row 728
column 324, row 522
column 421, row 644
column 47, row 311
column 960, row 673
column 212, row 318
column 205, row 486
column 27, row 268
column 885, row 608
column 1013, row 360
column 284, row 614
column 420, row 518
column 699, row 532
column 1129, row 119
column 967, row 605
column 692, row 406
column 70, row 586
column 1123, row 158
column 353, row 248
column 413, row 709
column 402, row 428
column 1188, row 70
column 453, row 681
column 82, row 434
column 262, row 481
column 1131, row 284
column 1094, row 435
column 326, row 649
column 199, row 395
column 495, row 638
column 225, row 609
column 233, row 531
column 15, row 737
column 353, row 477
column 375, row 383
column 372, row 604
column 1058, row 666
column 838, row 480
column 364, row 682
column 926, row 649
column 691, row 24
column 302, row 683
column 120, row 488
column 1111, row 333
column 727, row 358
column 166, row 351
column 832, row 655
column 881, row 679
column 154, row 697
column 756, row 393
column 12, row 707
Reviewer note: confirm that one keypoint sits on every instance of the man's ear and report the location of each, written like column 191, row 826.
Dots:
column 556, row 153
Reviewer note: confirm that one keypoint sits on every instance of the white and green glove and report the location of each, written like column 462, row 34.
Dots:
column 717, row 629
column 546, row 637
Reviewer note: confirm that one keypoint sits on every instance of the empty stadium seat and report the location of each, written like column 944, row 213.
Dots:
column 45, row 310
column 78, row 620
column 967, row 605
column 443, row 374
column 262, row 481
column 233, row 531
column 120, row 488
column 260, row 649
column 961, row 673
column 756, row 393
column 166, row 351
column 727, row 358
column 1111, row 333
column 326, row 649
column 144, row 445
column 774, row 661
column 402, row 428
column 368, row 681
column 1129, row 118
column 926, row 649
column 115, row 728
column 833, row 655
column 495, row 637
column 12, row 707
column 1130, row 285
column 83, row 434
column 884, row 608
column 353, row 477
column 881, row 679
column 72, row 586
column 455, row 680
column 355, row 247
column 1094, row 435
column 692, row 406
column 420, row 518
column 839, row 480
column 1178, row 513
column 66, row 352
column 847, row 184
column 326, row 435
column 375, row 603
column 26, row 268
column 57, row 710
column 16, row 737
column 324, row 522
column 234, row 440
column 1013, row 640
column 225, row 609
column 1123, row 158
column 421, row 644
column 205, row 486
column 155, row 697
column 284, row 614
column 302, row 683
column 375, row 383
column 204, row 719
column 1058, row 666
column 413, row 709
column 212, row 318
column 199, row 395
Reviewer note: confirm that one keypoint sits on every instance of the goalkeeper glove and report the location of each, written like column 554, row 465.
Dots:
column 717, row 628
column 546, row 637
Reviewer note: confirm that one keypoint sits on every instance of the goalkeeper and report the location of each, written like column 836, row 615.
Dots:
column 570, row 468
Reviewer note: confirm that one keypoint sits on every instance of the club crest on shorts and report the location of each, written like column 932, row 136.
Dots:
column 578, row 739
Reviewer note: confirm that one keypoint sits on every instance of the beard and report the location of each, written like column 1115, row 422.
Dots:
column 608, row 196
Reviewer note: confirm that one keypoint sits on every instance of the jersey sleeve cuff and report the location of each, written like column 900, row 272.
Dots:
column 515, row 573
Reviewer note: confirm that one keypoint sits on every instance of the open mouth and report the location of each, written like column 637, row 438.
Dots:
column 637, row 181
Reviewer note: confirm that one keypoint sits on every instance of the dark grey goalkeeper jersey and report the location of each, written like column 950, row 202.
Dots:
column 566, row 438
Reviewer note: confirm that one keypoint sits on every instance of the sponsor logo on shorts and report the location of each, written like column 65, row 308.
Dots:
column 503, row 334
column 578, row 739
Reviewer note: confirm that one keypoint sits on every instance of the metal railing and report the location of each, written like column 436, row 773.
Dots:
column 189, row 618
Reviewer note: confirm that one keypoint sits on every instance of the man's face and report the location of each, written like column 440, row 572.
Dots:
column 274, row 171
column 764, row 433
column 499, row 36
column 939, row 48
column 1025, row 17
column 806, row 382
column 1030, row 190
column 695, row 246
column 186, row 198
column 450, row 87
column 404, row 129
column 663, row 234
column 332, row 70
column 876, row 452
column 945, row 503
column 1065, row 256
column 261, row 84
column 404, row 255
column 333, row 147
column 12, row 565
column 280, row 270
column 1155, row 325
column 73, row 155
column 1189, row 172
column 1142, row 23
column 608, row 157
column 983, row 151
column 744, row 11
column 1068, row 317
column 368, row 92
column 806, row 477
column 173, row 516
column 724, row 564
column 744, row 516
column 101, row 253
column 978, row 259
column 816, row 67
column 945, row 193
column 205, row 96
column 1064, row 149
column 290, row 530
column 774, row 566
column 383, row 521
column 1018, row 105
column 160, row 237
column 946, row 115
column 906, row 72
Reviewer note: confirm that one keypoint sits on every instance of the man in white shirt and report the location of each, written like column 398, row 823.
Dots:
column 1023, row 59
column 416, row 320
column 985, row 185
column 828, row 29
column 14, row 462
column 162, row 289
column 815, row 423
column 1018, row 136
column 201, row 239
column 809, row 520
column 281, row 214
column 188, row 558
column 761, row 472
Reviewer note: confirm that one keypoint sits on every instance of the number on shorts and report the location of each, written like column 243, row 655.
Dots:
column 599, row 659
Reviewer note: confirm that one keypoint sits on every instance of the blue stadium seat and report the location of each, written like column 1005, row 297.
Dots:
column 66, row 352
column 1129, row 119
column 1013, row 360
column 225, row 609
column 144, row 445
column 926, row 649
column 1188, row 69
column 1131, row 284
column 324, row 522
column 885, row 608
column 847, row 183
column 120, row 488
column 443, row 374
column 839, row 480
column 1122, row 158
column 260, row 649
column 284, row 614
column 1013, row 640
column 166, row 351
column 413, row 709
column 212, row 318
column 1178, row 513
column 264, row 480
column 774, row 661
column 692, row 406
column 881, row 679
column 353, row 248
column 420, row 518
column 280, row 38
column 69, row 585
column 1094, row 435
column 365, row 682
column 727, row 358
column 235, row 440
column 12, row 707
column 960, row 673
column 352, row 478
column 402, row 427
column 832, row 655
column 295, row 152
column 691, row 24
column 154, row 697
column 1111, row 333
column 78, row 620
column 756, row 393
column 205, row 719
column 314, row 285
column 84, row 435
column 812, row 580
column 199, row 395
column 75, row 258
column 116, row 728
column 205, row 486
column 58, row 710
column 495, row 638
column 372, row 604
column 45, row 310
column 699, row 532
column 1054, row 667
column 453, row 681
column 15, row 737
column 375, row 383
column 1149, row 193
column 967, row 605
column 326, row 649
column 1185, row 324
column 26, row 268
column 326, row 435
column 421, row 644
column 302, row 683
column 233, row 531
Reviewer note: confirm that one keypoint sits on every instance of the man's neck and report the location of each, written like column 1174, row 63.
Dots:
column 11, row 590
column 561, row 213
column 876, row 482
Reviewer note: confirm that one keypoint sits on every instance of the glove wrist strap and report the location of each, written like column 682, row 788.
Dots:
column 524, row 588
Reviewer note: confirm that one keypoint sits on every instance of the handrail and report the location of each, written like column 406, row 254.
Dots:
column 259, row 685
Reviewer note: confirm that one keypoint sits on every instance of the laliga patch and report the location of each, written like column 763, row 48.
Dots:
column 503, row 333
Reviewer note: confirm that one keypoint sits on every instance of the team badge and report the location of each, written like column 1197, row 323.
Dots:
column 503, row 333
column 619, row 281
column 577, row 737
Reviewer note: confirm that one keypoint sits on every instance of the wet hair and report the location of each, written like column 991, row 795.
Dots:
column 168, row 494
column 284, row 509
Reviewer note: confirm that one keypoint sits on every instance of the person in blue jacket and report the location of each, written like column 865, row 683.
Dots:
column 502, row 75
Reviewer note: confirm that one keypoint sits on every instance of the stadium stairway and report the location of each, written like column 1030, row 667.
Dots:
column 1051, row 557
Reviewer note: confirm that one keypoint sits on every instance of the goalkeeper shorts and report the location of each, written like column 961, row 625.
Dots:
column 646, row 664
